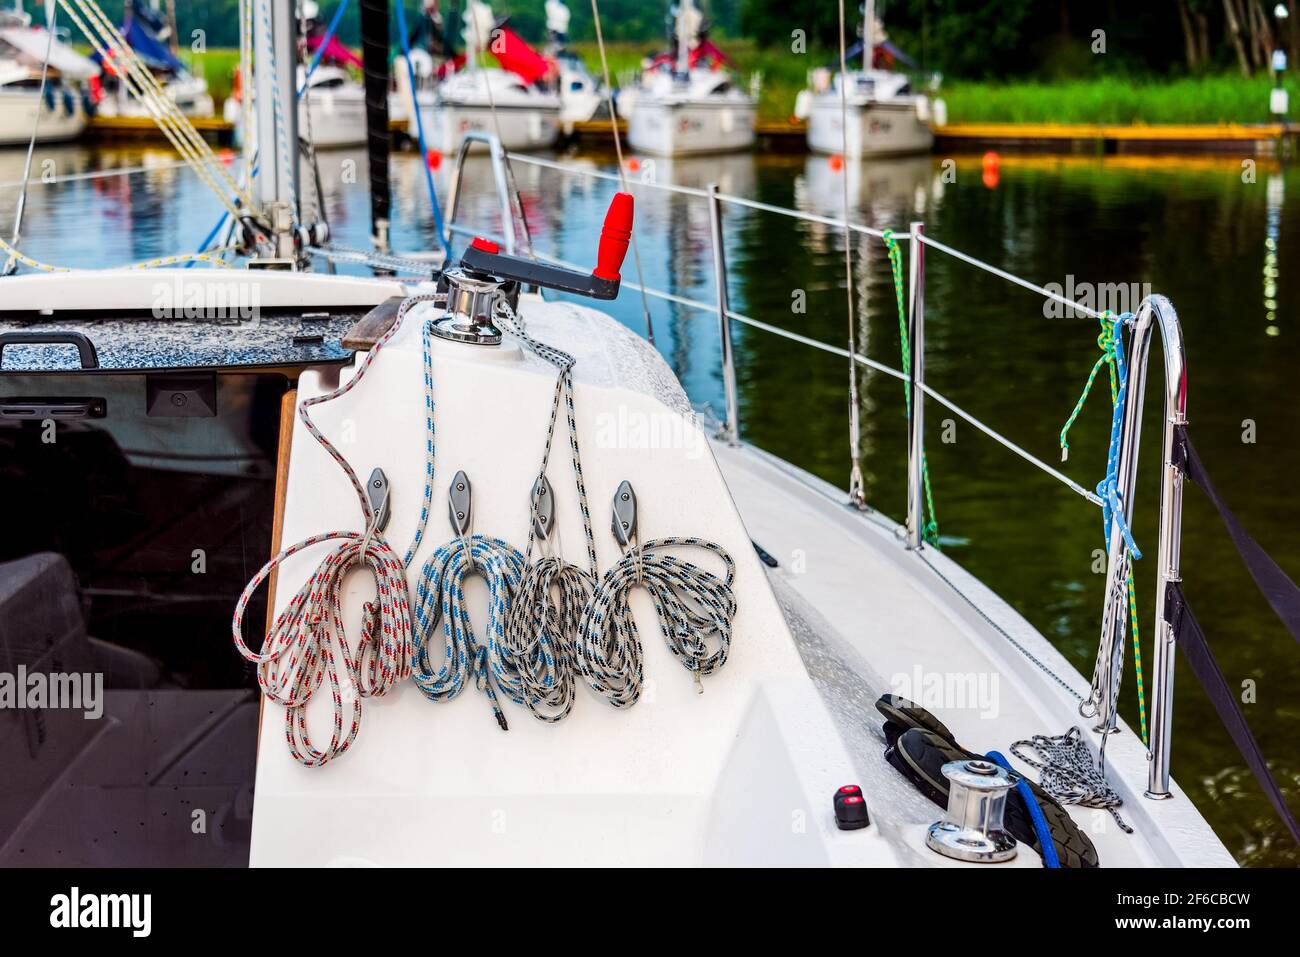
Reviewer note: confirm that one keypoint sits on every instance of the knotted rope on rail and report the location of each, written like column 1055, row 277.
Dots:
column 299, row 651
column 1068, row 773
column 1111, row 343
column 930, row 527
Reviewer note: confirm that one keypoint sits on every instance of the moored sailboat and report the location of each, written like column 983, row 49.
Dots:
column 687, row 100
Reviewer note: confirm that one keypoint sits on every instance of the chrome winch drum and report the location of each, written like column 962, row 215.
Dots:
column 471, row 301
column 972, row 828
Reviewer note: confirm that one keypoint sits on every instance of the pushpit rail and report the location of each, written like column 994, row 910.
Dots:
column 1154, row 311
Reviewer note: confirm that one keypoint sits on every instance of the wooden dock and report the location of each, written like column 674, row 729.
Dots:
column 214, row 129
column 1266, row 138
column 790, row 136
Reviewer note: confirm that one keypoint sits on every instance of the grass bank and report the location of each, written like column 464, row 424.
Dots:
column 1206, row 99
column 1227, row 98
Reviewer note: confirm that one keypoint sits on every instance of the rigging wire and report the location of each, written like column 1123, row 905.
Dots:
column 512, row 187
column 622, row 171
column 51, row 16
column 443, row 238
column 857, row 494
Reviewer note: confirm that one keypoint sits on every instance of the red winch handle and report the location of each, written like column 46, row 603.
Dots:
column 614, row 237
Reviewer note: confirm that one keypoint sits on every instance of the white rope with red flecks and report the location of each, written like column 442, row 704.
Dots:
column 298, row 653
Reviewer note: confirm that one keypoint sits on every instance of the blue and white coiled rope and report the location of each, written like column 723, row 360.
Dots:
column 529, row 650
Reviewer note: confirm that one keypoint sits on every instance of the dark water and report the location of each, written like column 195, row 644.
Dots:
column 1221, row 248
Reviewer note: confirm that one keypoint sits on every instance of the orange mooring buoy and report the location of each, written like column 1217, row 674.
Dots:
column 837, row 162
column 992, row 169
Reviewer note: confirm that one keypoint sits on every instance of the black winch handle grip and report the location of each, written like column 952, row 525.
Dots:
column 484, row 256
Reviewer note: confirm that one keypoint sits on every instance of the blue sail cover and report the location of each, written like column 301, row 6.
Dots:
column 144, row 41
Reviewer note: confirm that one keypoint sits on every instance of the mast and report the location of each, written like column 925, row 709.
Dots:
column 374, row 56
column 868, row 33
column 683, row 37
column 275, row 31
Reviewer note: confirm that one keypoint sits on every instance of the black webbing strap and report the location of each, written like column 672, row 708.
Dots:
column 1190, row 637
column 1283, row 597
column 1279, row 590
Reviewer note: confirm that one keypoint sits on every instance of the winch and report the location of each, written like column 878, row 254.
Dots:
column 487, row 277
column 972, row 828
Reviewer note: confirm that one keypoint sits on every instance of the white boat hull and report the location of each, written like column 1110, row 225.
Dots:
column 667, row 127
column 522, row 128
column 338, row 117
column 877, row 128
column 18, row 109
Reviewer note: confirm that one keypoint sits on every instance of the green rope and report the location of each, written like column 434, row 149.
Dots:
column 1106, row 342
column 930, row 529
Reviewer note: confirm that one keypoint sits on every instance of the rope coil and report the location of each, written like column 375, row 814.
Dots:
column 695, row 609
column 298, row 653
column 1067, row 772
column 440, row 596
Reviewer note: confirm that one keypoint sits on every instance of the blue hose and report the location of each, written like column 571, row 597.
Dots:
column 1035, row 812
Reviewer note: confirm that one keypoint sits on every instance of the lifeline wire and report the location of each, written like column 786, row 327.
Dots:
column 298, row 652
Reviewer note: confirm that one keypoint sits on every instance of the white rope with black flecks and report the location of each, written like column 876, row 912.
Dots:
column 1067, row 772
column 528, row 656
column 694, row 606
column 299, row 651
column 544, row 618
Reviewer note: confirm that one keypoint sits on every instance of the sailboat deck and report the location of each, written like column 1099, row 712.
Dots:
column 888, row 619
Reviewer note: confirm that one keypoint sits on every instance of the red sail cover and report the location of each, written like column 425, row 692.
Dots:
column 515, row 55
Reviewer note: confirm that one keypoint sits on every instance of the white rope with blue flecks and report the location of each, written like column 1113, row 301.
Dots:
column 530, row 631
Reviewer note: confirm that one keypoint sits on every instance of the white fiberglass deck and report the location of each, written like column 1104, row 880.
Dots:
column 743, row 773
column 912, row 623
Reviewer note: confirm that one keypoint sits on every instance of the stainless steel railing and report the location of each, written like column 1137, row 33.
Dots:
column 1154, row 311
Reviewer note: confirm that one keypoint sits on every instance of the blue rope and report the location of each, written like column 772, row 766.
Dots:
column 1035, row 812
column 440, row 596
column 419, row 133
column 1108, row 487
